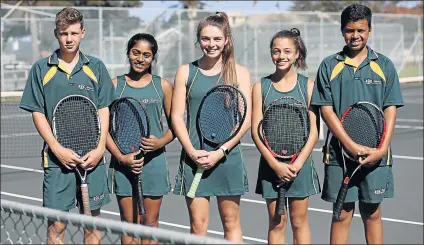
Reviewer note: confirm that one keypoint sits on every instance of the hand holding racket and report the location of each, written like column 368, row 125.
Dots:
column 365, row 125
column 129, row 123
column 76, row 126
column 219, row 118
column 284, row 130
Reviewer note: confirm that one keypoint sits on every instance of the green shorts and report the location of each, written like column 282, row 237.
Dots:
column 368, row 185
column 61, row 188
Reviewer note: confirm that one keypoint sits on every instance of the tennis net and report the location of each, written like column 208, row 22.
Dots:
column 27, row 224
column 19, row 137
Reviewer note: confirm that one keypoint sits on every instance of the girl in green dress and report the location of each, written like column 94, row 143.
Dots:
column 225, row 175
column 155, row 93
column 287, row 52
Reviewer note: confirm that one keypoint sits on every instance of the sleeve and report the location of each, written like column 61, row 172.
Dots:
column 33, row 97
column 321, row 94
column 392, row 91
column 106, row 88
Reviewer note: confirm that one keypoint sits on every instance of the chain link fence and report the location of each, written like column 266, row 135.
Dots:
column 27, row 224
column 27, row 35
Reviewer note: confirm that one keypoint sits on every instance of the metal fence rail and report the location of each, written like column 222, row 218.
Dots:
column 27, row 224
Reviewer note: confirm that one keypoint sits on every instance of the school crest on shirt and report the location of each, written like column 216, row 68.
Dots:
column 371, row 81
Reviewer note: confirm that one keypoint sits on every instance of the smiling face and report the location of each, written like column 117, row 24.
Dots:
column 141, row 56
column 212, row 41
column 356, row 34
column 70, row 37
column 283, row 53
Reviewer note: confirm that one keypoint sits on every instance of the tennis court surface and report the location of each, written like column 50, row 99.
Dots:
column 21, row 181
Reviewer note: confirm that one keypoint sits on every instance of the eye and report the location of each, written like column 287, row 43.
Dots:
column 275, row 52
column 147, row 55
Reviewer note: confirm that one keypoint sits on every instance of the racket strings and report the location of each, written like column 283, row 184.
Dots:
column 221, row 114
column 365, row 125
column 129, row 125
column 285, row 128
column 76, row 125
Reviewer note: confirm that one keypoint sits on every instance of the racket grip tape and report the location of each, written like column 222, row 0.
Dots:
column 280, row 208
column 140, row 198
column 341, row 197
column 196, row 180
column 85, row 199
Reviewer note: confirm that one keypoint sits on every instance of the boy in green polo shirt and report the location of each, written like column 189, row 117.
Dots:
column 357, row 74
column 67, row 72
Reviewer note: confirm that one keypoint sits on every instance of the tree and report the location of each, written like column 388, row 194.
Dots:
column 337, row 6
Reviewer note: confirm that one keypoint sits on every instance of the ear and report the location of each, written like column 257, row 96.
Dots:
column 82, row 33
column 226, row 40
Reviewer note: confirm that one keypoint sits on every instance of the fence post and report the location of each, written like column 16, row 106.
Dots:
column 101, row 33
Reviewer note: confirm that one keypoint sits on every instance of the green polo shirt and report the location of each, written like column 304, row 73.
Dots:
column 340, row 83
column 49, row 81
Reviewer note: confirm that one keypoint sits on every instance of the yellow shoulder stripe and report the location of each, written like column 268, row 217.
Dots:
column 49, row 75
column 336, row 70
column 377, row 69
column 89, row 73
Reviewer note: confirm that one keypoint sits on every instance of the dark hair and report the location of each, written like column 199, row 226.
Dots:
column 69, row 16
column 293, row 34
column 354, row 13
column 220, row 20
column 143, row 37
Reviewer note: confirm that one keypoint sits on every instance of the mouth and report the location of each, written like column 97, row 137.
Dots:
column 138, row 65
column 355, row 43
column 211, row 51
column 69, row 46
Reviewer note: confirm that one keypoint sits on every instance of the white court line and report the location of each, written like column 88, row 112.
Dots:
column 331, row 212
column 242, row 199
column 410, row 120
column 411, row 127
column 18, row 135
column 117, row 214
column 320, row 150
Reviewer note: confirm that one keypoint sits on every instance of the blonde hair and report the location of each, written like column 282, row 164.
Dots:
column 220, row 20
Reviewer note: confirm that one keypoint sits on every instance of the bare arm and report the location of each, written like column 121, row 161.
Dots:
column 152, row 143
column 177, row 113
column 283, row 171
column 243, row 79
column 313, row 132
column 374, row 155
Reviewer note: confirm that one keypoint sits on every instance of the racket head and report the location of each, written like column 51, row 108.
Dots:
column 285, row 127
column 364, row 123
column 76, row 124
column 221, row 113
column 129, row 122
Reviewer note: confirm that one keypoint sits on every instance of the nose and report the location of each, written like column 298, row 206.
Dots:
column 355, row 34
column 69, row 38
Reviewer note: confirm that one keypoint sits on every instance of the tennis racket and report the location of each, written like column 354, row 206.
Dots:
column 285, row 131
column 76, row 126
column 129, row 122
column 219, row 118
column 364, row 123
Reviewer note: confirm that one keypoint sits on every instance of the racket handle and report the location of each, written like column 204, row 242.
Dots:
column 281, row 201
column 196, row 180
column 85, row 199
column 140, row 197
column 341, row 197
